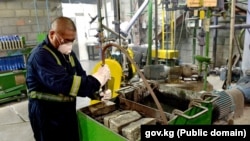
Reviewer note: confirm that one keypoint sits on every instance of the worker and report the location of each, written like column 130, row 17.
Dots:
column 54, row 79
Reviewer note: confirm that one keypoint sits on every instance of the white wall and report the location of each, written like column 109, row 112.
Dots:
column 79, row 13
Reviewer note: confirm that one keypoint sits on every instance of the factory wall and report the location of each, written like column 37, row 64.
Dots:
column 27, row 18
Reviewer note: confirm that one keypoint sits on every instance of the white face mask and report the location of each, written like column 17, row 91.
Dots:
column 66, row 48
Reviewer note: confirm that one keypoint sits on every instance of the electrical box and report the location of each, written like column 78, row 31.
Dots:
column 199, row 3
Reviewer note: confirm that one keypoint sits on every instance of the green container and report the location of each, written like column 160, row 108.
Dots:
column 199, row 113
column 92, row 130
column 12, row 85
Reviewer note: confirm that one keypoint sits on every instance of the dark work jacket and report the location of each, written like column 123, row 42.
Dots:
column 45, row 75
column 52, row 120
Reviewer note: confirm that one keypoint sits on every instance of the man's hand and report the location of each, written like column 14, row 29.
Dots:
column 106, row 95
column 102, row 75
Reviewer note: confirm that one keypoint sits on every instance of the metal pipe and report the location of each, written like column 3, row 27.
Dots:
column 208, row 15
column 163, row 116
column 116, row 22
column 245, row 34
column 232, row 22
column 194, row 41
column 119, row 18
column 110, row 30
column 149, row 58
column 132, row 21
column 215, row 33
column 163, row 29
column 100, row 30
column 236, row 26
column 156, row 32
column 106, row 13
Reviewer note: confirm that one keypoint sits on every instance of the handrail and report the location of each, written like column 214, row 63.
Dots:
column 181, row 113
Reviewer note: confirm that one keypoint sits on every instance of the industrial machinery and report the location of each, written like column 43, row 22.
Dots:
column 12, row 68
column 121, row 118
column 150, row 102
column 153, row 101
column 12, row 86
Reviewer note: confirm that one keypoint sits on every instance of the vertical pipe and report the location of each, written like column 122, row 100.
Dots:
column 119, row 22
column 106, row 13
column 215, row 40
column 246, row 45
column 48, row 13
column 37, row 21
column 100, row 30
column 194, row 43
column 156, row 32
column 208, row 15
column 162, row 29
column 172, row 47
column 115, row 16
column 131, row 9
column 172, row 30
column 167, row 29
column 229, row 74
column 140, row 20
column 149, row 33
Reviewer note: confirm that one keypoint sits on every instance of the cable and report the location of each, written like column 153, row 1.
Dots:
column 37, row 22
column 118, row 10
column 47, row 7
column 187, row 29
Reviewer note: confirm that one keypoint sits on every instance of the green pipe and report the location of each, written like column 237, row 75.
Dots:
column 149, row 60
column 208, row 15
column 194, row 42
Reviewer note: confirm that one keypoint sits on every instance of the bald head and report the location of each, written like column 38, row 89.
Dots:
column 62, row 30
column 61, row 24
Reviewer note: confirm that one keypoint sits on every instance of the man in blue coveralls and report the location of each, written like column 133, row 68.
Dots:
column 54, row 79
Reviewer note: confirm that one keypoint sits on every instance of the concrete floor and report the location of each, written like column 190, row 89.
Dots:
column 15, row 126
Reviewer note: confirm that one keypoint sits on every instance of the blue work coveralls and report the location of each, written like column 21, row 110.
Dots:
column 56, row 120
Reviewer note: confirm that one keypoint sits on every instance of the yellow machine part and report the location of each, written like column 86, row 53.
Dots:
column 131, row 54
column 116, row 76
column 166, row 54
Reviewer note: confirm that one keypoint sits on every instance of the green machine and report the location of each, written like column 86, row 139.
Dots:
column 12, row 85
column 183, row 107
column 14, row 52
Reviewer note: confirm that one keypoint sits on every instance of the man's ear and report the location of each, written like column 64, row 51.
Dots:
column 52, row 38
column 52, row 33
